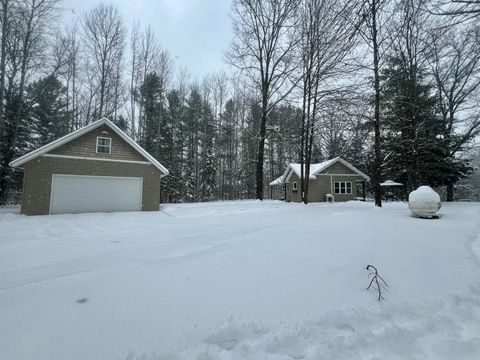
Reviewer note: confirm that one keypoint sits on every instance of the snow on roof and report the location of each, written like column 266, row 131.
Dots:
column 319, row 167
column 277, row 181
column 314, row 168
column 73, row 135
column 390, row 183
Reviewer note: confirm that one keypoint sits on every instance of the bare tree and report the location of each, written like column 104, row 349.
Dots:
column 373, row 31
column 263, row 51
column 327, row 37
column 134, row 75
column 27, row 28
column 104, row 41
column 164, row 70
column 459, row 10
column 344, row 132
column 5, row 28
column 149, row 53
column 72, row 76
column 455, row 65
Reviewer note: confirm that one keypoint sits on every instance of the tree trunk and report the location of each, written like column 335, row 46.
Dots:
column 377, row 161
column 450, row 191
column 3, row 55
column 261, row 152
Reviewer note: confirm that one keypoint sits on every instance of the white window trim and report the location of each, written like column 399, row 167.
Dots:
column 109, row 148
column 294, row 186
column 340, row 188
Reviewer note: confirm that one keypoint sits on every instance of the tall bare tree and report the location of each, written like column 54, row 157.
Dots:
column 263, row 51
column 459, row 10
column 134, row 75
column 5, row 28
column 327, row 37
column 28, row 24
column 455, row 65
column 374, row 32
column 72, row 75
column 104, row 41
column 148, row 57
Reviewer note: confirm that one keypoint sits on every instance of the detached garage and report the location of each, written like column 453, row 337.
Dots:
column 97, row 168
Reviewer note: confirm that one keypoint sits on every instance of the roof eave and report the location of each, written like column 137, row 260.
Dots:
column 347, row 164
column 77, row 133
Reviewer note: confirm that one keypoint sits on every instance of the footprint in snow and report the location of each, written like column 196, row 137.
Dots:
column 225, row 344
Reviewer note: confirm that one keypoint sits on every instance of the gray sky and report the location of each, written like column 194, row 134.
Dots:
column 195, row 32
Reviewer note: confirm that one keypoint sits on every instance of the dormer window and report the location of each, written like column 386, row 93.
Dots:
column 104, row 145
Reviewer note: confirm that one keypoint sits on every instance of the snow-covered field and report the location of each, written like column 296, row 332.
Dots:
column 241, row 280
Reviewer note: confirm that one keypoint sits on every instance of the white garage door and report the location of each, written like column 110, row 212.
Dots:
column 77, row 194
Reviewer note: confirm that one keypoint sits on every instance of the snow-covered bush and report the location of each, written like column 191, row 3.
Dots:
column 424, row 202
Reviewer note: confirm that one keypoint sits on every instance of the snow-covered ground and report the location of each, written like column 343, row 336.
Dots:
column 241, row 280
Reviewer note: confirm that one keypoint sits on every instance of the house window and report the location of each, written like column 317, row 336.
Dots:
column 104, row 145
column 294, row 186
column 342, row 187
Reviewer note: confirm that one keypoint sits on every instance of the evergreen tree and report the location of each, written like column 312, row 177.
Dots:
column 48, row 110
column 227, row 144
column 193, row 119
column 15, row 141
column 122, row 123
column 207, row 172
column 151, row 95
column 249, row 143
column 172, row 185
column 414, row 149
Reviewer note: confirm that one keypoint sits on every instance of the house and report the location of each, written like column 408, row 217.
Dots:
column 331, row 180
column 96, row 168
column 276, row 189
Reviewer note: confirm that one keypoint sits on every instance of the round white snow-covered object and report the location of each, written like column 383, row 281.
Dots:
column 424, row 202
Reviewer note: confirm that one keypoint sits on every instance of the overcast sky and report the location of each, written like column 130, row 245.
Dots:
column 195, row 32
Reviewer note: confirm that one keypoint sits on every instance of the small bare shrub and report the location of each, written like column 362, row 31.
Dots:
column 377, row 281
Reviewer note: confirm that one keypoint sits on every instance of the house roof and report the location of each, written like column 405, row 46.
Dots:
column 277, row 181
column 347, row 164
column 317, row 168
column 75, row 134
column 314, row 168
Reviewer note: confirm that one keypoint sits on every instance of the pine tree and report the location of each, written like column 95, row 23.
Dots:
column 193, row 119
column 249, row 143
column 15, row 141
column 48, row 110
column 151, row 94
column 227, row 144
column 172, row 185
column 208, row 186
column 414, row 149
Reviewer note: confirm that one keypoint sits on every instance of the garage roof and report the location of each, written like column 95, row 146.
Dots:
column 73, row 135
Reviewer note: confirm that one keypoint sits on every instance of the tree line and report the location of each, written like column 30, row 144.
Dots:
column 391, row 86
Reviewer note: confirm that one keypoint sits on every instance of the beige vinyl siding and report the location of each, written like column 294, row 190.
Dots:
column 323, row 185
column 292, row 195
column 86, row 146
column 38, row 179
column 338, row 168
column 277, row 192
